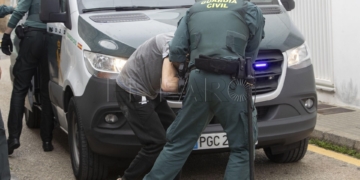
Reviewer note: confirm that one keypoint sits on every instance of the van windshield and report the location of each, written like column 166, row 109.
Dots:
column 90, row 4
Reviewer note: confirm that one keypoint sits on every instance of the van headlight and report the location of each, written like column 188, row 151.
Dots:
column 103, row 66
column 299, row 57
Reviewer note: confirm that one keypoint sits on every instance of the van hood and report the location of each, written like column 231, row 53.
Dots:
column 120, row 33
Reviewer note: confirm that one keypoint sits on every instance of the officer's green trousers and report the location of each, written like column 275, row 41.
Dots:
column 208, row 96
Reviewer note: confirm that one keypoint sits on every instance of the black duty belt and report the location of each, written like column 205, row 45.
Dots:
column 20, row 30
column 28, row 29
column 235, row 67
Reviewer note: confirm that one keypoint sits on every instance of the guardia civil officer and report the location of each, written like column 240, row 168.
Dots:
column 223, row 30
column 32, row 54
column 147, row 71
column 4, row 161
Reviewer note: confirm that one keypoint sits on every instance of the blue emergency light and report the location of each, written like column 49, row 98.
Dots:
column 261, row 65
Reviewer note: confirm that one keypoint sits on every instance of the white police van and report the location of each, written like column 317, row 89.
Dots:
column 91, row 41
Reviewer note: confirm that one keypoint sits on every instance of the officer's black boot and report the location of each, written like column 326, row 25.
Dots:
column 47, row 146
column 13, row 143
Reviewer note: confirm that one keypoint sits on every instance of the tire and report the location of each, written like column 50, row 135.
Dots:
column 289, row 156
column 33, row 118
column 85, row 163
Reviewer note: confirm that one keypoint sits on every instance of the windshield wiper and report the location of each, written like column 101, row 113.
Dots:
column 133, row 8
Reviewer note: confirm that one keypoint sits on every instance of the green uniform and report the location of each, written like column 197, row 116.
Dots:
column 226, row 29
column 33, row 19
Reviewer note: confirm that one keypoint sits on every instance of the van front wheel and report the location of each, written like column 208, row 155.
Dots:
column 85, row 163
column 289, row 156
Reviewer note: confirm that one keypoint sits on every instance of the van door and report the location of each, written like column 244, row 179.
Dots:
column 57, row 32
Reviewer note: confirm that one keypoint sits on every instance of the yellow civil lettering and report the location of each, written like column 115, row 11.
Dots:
column 218, row 5
column 208, row 6
column 225, row 6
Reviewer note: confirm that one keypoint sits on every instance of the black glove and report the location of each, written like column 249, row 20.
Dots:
column 6, row 44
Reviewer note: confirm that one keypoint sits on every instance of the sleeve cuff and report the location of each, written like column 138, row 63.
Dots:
column 177, row 58
column 11, row 25
column 11, row 9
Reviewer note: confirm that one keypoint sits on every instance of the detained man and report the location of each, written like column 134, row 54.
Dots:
column 147, row 72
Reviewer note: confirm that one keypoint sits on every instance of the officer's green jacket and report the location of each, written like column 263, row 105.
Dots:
column 33, row 9
column 223, row 28
column 5, row 10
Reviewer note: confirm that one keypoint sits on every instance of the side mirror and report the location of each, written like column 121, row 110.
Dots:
column 50, row 12
column 288, row 4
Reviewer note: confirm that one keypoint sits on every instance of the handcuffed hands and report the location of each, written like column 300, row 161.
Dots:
column 6, row 44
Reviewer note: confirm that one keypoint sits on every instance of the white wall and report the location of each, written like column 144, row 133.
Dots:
column 339, row 53
column 346, row 43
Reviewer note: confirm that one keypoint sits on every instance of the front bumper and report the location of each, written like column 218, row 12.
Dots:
column 281, row 121
column 98, row 100
column 285, row 120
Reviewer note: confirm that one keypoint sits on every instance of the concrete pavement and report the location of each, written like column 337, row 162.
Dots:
column 338, row 125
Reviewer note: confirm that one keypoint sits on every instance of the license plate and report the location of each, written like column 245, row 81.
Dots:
column 212, row 141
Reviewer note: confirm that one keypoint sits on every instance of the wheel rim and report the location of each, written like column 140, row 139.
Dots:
column 75, row 143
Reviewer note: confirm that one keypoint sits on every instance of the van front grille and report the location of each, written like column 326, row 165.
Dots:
column 267, row 77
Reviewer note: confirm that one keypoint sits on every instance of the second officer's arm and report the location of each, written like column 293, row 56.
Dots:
column 256, row 22
column 19, row 12
column 178, row 49
column 22, row 8
column 179, row 46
